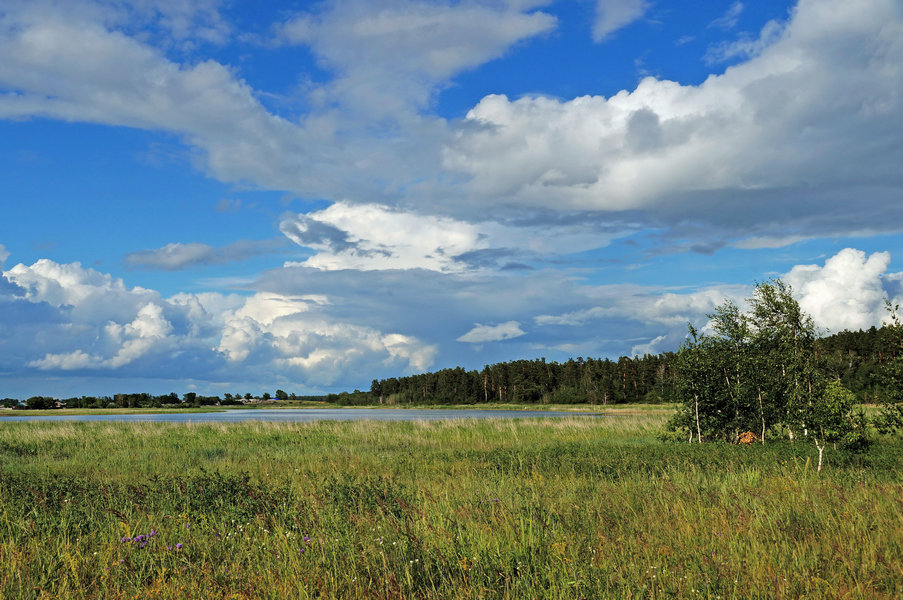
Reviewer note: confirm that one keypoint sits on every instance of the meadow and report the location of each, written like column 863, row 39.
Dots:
column 534, row 508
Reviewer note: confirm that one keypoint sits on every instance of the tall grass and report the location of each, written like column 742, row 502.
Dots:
column 560, row 508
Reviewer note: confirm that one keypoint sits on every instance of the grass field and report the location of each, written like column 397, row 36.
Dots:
column 559, row 508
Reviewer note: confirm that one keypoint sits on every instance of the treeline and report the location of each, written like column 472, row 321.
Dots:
column 143, row 400
column 858, row 358
column 580, row 380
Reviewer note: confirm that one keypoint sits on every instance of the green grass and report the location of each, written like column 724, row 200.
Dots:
column 559, row 508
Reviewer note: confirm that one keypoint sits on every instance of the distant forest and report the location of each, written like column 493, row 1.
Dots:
column 852, row 356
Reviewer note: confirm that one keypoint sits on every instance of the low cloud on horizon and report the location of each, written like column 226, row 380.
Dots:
column 84, row 322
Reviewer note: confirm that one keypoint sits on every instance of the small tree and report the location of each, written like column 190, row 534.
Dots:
column 696, row 385
column 735, row 364
column 830, row 416
column 784, row 350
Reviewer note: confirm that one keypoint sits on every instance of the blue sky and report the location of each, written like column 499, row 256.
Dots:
column 237, row 196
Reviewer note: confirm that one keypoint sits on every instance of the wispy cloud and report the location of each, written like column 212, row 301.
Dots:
column 729, row 19
column 746, row 46
column 176, row 256
column 390, row 58
column 482, row 334
column 612, row 15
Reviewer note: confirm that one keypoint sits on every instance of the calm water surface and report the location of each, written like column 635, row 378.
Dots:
column 305, row 415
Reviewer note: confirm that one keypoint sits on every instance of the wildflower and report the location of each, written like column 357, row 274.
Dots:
column 125, row 540
column 179, row 546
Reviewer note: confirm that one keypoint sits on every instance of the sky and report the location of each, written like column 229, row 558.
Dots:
column 232, row 196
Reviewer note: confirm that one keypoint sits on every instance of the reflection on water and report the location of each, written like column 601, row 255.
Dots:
column 302, row 415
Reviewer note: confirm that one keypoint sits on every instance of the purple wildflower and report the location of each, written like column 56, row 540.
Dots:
column 125, row 540
column 179, row 546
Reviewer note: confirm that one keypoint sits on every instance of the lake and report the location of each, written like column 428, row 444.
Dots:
column 303, row 415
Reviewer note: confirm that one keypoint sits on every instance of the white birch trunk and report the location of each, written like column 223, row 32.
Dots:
column 821, row 450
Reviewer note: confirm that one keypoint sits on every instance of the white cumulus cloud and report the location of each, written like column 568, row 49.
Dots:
column 773, row 146
column 848, row 292
column 370, row 236
column 287, row 333
column 78, row 319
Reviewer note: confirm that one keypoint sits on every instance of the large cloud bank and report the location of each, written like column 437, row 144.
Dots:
column 766, row 153
column 772, row 149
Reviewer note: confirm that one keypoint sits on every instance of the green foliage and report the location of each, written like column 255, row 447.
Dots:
column 758, row 371
column 891, row 417
column 832, row 415
column 40, row 403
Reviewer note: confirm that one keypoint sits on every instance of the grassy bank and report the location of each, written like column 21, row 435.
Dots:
column 566, row 508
